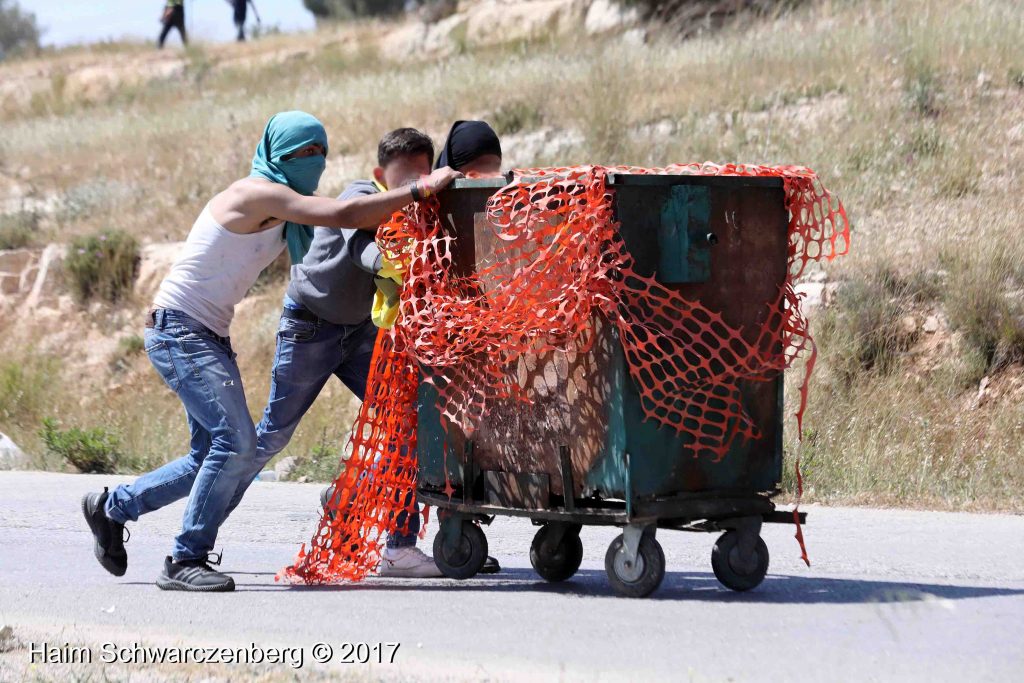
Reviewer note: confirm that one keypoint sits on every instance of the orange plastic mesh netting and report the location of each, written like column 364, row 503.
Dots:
column 562, row 261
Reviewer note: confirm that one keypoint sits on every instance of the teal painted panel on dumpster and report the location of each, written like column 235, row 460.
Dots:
column 685, row 253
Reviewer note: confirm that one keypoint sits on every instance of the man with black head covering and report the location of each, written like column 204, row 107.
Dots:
column 472, row 146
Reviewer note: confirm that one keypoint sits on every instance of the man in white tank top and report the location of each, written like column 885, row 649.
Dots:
column 238, row 233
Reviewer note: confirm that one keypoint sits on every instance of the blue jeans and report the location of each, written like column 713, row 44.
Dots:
column 308, row 353
column 199, row 366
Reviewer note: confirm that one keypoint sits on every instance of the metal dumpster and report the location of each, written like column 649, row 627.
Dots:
column 582, row 452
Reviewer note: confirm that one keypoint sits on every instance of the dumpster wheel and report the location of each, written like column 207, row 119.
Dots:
column 562, row 561
column 729, row 565
column 639, row 578
column 463, row 558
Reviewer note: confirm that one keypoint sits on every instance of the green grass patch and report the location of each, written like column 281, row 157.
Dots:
column 102, row 266
column 985, row 301
column 95, row 450
column 19, row 229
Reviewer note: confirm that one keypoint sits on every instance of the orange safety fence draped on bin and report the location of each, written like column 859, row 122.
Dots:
column 562, row 260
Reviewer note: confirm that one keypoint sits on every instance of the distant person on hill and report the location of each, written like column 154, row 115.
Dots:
column 241, row 6
column 238, row 234
column 173, row 17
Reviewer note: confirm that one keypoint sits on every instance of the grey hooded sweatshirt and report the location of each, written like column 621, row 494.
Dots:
column 335, row 279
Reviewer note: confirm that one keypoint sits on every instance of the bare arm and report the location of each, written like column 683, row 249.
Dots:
column 366, row 213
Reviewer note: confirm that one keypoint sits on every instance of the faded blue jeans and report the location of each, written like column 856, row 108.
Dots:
column 199, row 366
column 308, row 353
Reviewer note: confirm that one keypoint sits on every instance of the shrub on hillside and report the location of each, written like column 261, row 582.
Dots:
column 985, row 302
column 127, row 348
column 515, row 116
column 863, row 330
column 102, row 266
column 19, row 32
column 694, row 16
column 25, row 388
column 19, row 229
column 350, row 9
column 95, row 450
column 322, row 462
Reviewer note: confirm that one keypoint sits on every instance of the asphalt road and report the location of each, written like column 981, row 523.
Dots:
column 891, row 596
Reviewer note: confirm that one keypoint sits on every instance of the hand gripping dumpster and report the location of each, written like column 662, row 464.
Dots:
column 586, row 345
column 581, row 449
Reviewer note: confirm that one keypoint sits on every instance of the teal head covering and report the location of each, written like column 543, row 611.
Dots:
column 286, row 133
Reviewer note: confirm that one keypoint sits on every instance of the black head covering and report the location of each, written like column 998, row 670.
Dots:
column 468, row 141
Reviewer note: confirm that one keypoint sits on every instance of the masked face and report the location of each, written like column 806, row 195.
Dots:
column 293, row 151
column 303, row 173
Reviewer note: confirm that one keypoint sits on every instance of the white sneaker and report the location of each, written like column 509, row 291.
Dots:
column 408, row 563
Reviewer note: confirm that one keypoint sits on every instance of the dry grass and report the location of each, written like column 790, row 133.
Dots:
column 910, row 110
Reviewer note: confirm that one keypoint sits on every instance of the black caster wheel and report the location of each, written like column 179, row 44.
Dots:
column 732, row 570
column 636, row 579
column 466, row 556
column 561, row 563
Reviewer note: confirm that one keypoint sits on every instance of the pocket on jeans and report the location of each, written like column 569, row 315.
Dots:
column 160, row 357
column 296, row 330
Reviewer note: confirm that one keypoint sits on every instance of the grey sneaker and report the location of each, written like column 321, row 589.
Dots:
column 325, row 498
column 194, row 575
column 109, row 535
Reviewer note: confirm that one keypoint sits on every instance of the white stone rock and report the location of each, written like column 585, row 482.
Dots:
column 45, row 286
column 983, row 392
column 608, row 15
column 268, row 475
column 284, row 467
column 156, row 262
column 527, row 149
column 931, row 324
column 14, row 261
column 10, row 284
column 634, row 37
column 11, row 457
column 446, row 35
column 491, row 23
column 812, row 293
column 405, row 41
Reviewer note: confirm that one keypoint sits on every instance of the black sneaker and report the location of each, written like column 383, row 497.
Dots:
column 109, row 535
column 194, row 575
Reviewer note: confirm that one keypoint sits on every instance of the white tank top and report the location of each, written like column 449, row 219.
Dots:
column 215, row 270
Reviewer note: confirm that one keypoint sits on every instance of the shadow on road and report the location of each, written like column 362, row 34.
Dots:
column 681, row 586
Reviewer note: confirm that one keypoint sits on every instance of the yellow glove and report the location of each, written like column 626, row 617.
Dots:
column 387, row 298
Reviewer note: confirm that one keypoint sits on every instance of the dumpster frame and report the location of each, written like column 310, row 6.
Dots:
column 739, row 513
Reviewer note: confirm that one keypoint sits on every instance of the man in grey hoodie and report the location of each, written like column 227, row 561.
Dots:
column 326, row 330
